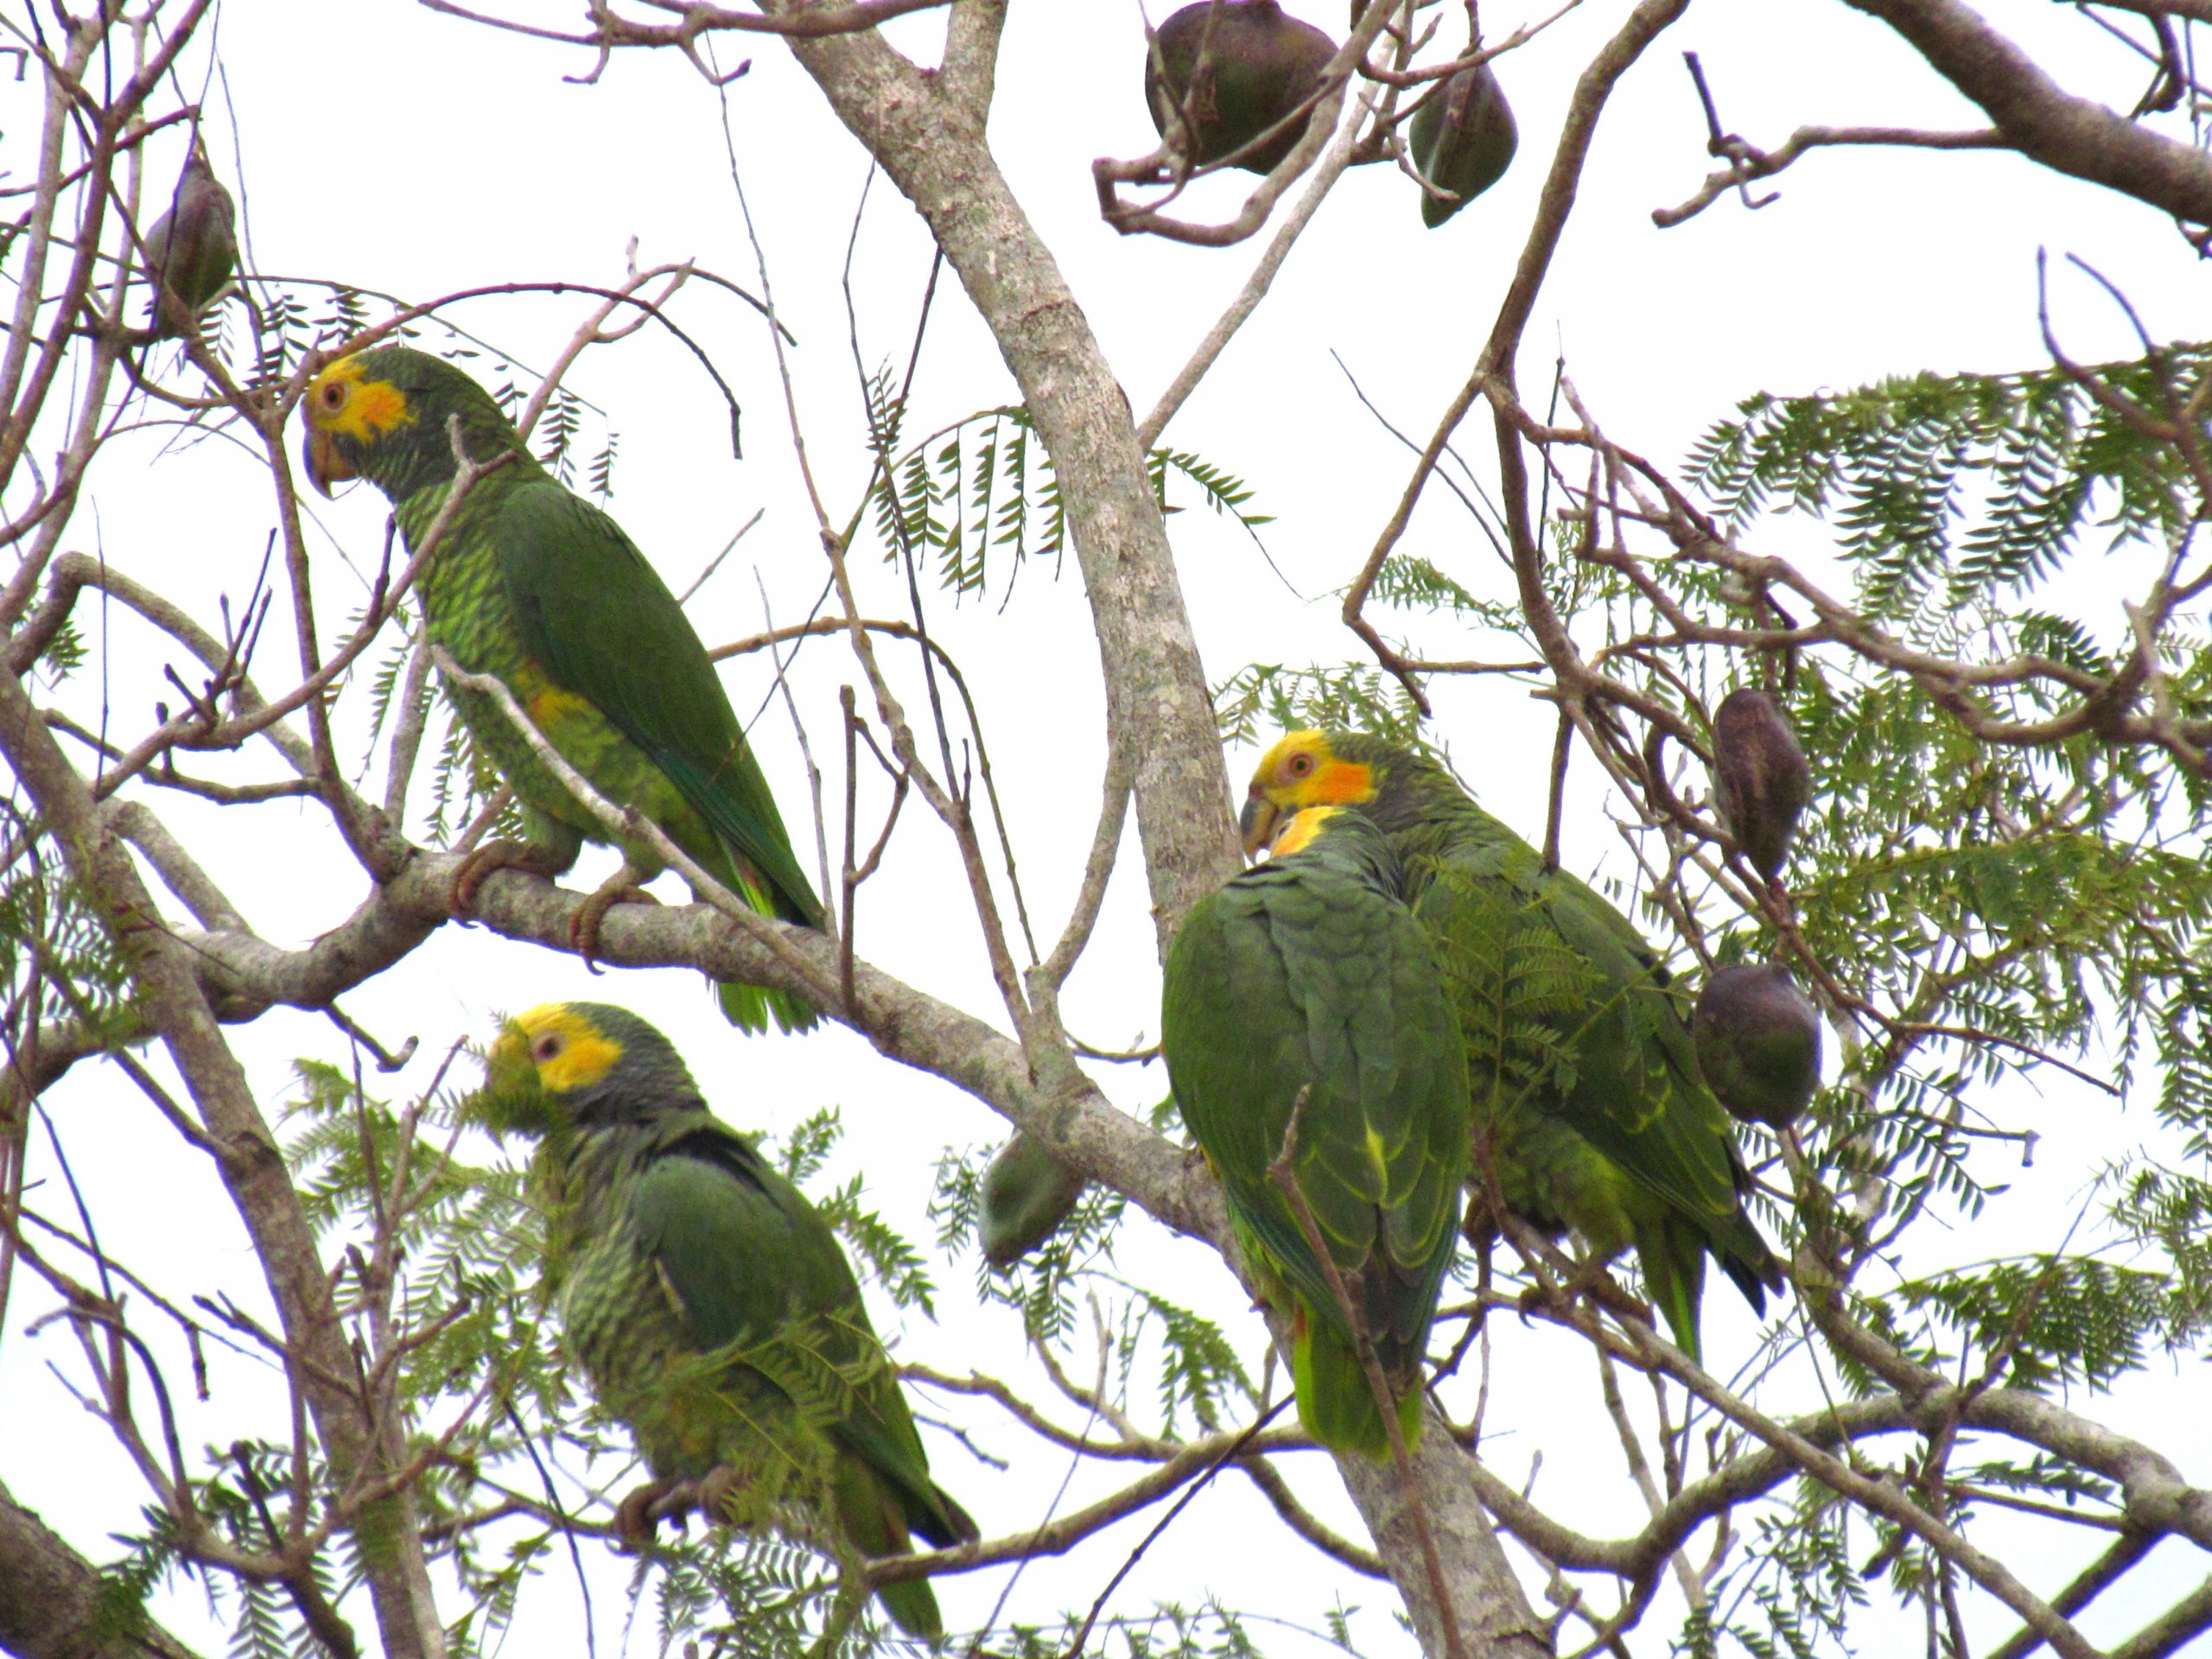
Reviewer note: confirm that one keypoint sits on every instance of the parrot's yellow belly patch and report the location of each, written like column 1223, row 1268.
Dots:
column 551, row 706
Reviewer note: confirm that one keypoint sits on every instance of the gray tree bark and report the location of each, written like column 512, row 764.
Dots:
column 51, row 1600
column 178, row 1013
column 927, row 132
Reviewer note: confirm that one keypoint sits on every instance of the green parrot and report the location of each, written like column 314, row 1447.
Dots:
column 1586, row 1081
column 1307, row 978
column 537, row 587
column 708, row 1302
column 193, row 250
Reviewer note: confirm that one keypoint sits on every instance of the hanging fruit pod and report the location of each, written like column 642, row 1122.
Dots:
column 193, row 250
column 1761, row 780
column 1259, row 65
column 1758, row 1044
column 1463, row 139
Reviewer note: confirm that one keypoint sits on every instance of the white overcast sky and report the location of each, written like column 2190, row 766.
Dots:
column 415, row 154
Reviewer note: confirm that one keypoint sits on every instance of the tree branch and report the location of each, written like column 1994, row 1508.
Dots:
column 54, row 1604
column 2070, row 135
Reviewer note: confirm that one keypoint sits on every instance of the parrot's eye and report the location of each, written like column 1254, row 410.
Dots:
column 1299, row 765
column 334, row 395
column 546, row 1047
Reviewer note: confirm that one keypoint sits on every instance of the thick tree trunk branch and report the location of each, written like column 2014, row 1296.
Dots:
column 2070, row 135
column 1157, row 701
column 167, row 995
column 1495, row 1618
column 52, row 1605
column 245, row 974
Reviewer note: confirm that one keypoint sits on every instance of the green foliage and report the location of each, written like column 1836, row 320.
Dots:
column 1409, row 582
column 1169, row 1632
column 881, row 1252
column 58, row 960
column 1959, row 486
column 459, row 1272
column 2050, row 1319
column 1042, row 1286
column 983, row 488
column 1793, row 1592
column 803, row 1153
column 1193, row 1365
column 1199, row 1370
column 63, row 654
column 463, row 780
column 2168, row 1213
column 1258, row 701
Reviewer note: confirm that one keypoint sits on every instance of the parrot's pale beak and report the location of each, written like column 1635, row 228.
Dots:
column 326, row 467
column 1256, row 824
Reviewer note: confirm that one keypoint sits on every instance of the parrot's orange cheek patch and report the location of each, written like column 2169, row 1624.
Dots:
column 1340, row 782
column 377, row 406
column 342, row 401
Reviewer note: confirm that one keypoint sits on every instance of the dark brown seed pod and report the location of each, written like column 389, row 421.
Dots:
column 1259, row 67
column 1758, row 1044
column 1760, row 778
column 1463, row 140
column 193, row 250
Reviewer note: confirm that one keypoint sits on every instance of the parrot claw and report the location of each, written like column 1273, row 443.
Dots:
column 716, row 1488
column 503, row 854
column 635, row 1524
column 583, row 926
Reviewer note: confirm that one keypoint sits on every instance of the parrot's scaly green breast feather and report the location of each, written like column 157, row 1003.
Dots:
column 1307, row 976
column 708, row 1302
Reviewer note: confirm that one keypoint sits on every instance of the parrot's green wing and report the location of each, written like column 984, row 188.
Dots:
column 1581, row 1032
column 750, row 1261
column 608, row 629
column 1300, row 976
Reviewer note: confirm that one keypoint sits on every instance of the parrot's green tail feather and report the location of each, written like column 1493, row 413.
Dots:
column 912, row 1607
column 750, row 1007
column 1335, row 1401
column 870, row 1518
column 1672, row 1254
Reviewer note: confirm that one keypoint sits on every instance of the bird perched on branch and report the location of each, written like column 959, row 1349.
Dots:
column 1587, row 1095
column 708, row 1302
column 192, row 252
column 1315, row 1060
column 538, row 589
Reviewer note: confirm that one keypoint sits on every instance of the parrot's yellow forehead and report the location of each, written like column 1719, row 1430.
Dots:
column 1302, row 770
column 342, row 400
column 1302, row 830
column 568, row 1051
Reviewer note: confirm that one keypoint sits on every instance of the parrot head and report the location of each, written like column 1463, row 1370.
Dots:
column 564, row 1067
column 385, row 415
column 1308, row 769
